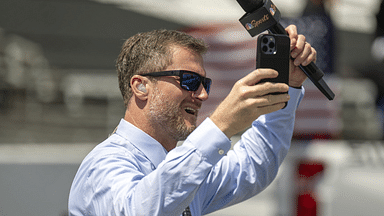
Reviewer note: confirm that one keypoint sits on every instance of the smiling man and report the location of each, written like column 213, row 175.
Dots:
column 138, row 170
column 172, row 109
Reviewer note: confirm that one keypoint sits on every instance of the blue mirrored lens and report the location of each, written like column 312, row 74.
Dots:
column 191, row 82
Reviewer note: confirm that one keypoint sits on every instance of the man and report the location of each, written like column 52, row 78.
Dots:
column 139, row 170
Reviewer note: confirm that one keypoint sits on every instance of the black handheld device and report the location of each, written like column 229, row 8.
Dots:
column 263, row 15
column 273, row 51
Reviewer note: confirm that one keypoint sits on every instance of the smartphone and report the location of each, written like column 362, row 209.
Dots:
column 273, row 51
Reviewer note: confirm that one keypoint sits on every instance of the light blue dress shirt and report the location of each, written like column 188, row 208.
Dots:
column 130, row 173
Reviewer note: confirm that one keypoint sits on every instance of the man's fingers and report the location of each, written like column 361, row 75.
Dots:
column 300, row 46
column 311, row 57
column 301, row 57
column 270, row 100
column 250, row 86
column 271, row 108
column 267, row 88
column 255, row 76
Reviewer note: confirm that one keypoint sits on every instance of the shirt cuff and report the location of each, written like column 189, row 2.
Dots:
column 210, row 141
column 296, row 95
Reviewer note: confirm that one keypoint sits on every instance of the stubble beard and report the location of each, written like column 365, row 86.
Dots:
column 168, row 115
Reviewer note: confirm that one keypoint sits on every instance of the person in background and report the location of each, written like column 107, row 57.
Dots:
column 138, row 170
column 316, row 24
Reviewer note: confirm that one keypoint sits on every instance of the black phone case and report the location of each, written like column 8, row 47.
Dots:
column 273, row 51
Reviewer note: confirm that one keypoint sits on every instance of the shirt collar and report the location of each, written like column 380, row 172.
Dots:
column 150, row 147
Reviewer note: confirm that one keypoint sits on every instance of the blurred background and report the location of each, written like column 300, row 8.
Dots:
column 59, row 96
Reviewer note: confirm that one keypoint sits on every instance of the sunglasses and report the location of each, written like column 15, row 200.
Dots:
column 189, row 80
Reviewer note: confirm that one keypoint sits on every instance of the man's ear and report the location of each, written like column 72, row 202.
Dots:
column 138, row 86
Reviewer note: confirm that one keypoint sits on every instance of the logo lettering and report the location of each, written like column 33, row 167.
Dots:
column 255, row 24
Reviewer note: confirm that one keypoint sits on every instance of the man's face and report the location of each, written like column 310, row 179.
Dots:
column 172, row 107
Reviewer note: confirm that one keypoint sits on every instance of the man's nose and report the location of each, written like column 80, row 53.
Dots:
column 201, row 93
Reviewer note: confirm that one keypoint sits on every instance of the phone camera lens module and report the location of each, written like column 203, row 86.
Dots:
column 265, row 48
column 265, row 40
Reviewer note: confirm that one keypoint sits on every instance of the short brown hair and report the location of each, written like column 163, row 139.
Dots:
column 151, row 52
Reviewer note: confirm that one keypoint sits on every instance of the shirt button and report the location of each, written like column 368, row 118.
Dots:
column 221, row 151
